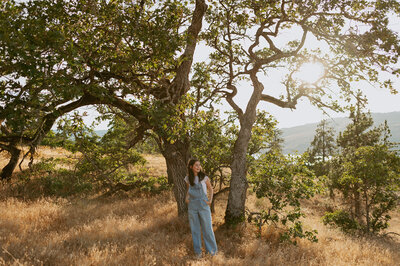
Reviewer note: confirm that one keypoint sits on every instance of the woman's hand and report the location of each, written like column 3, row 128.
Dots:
column 187, row 200
column 208, row 202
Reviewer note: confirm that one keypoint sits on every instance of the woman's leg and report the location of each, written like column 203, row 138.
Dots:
column 195, row 228
column 208, row 233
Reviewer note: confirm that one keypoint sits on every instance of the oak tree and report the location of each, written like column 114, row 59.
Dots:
column 249, row 42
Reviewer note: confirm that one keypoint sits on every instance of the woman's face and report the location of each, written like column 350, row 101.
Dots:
column 196, row 167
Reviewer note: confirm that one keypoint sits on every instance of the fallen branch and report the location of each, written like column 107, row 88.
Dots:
column 121, row 186
column 6, row 251
column 391, row 233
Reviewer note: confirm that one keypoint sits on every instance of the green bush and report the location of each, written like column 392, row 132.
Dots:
column 283, row 181
column 64, row 183
column 342, row 220
column 152, row 185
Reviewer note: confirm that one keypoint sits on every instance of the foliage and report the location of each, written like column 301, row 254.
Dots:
column 366, row 172
column 147, row 184
column 55, row 139
column 106, row 160
column 211, row 143
column 342, row 219
column 47, row 178
column 264, row 137
column 148, row 146
column 283, row 181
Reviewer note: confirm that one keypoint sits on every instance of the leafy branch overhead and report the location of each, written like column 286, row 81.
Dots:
column 354, row 44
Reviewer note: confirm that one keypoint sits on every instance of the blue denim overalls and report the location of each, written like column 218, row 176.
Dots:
column 200, row 217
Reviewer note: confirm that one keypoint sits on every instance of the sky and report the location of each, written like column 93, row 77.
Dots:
column 380, row 100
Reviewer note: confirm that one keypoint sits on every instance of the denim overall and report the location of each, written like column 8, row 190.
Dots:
column 200, row 217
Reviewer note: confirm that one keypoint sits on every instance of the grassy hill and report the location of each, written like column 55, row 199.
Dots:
column 299, row 138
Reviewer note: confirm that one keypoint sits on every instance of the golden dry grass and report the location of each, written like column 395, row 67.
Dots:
column 43, row 152
column 156, row 164
column 128, row 229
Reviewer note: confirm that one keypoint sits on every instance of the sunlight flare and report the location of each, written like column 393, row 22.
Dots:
column 310, row 72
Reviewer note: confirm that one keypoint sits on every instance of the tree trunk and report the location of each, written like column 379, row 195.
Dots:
column 357, row 204
column 235, row 210
column 176, row 156
column 367, row 210
column 9, row 168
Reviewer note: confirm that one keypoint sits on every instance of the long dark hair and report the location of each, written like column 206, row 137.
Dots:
column 200, row 175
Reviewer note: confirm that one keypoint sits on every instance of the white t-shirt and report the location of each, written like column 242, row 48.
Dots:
column 196, row 180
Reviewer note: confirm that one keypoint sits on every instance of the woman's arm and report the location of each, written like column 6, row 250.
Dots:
column 187, row 193
column 209, row 188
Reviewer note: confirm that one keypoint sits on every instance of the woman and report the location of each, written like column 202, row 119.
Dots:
column 199, row 208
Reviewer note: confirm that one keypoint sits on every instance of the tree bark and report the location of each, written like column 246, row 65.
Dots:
column 357, row 204
column 9, row 168
column 235, row 210
column 176, row 156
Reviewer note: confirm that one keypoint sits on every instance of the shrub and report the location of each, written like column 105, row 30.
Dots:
column 341, row 219
column 284, row 181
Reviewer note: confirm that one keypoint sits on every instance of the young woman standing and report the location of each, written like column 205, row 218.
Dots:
column 199, row 211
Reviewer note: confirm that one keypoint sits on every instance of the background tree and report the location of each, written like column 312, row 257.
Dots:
column 322, row 147
column 366, row 172
column 276, row 145
column 106, row 161
column 355, row 136
column 246, row 41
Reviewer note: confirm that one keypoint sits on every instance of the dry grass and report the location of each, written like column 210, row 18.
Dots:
column 131, row 230
column 156, row 164
column 43, row 152
column 127, row 230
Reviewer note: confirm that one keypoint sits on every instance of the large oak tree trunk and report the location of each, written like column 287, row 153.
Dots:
column 237, row 194
column 176, row 156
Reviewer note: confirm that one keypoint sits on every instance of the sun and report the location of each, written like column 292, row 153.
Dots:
column 310, row 72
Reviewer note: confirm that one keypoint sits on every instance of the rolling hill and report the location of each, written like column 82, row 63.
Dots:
column 299, row 138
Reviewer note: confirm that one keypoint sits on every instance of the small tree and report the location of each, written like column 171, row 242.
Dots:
column 323, row 144
column 322, row 147
column 283, row 181
column 366, row 172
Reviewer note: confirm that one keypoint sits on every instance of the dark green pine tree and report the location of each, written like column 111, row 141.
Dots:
column 323, row 144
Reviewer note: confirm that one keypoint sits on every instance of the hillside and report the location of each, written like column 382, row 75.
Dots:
column 299, row 138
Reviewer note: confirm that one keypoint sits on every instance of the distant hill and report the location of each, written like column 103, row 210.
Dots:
column 101, row 132
column 299, row 138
